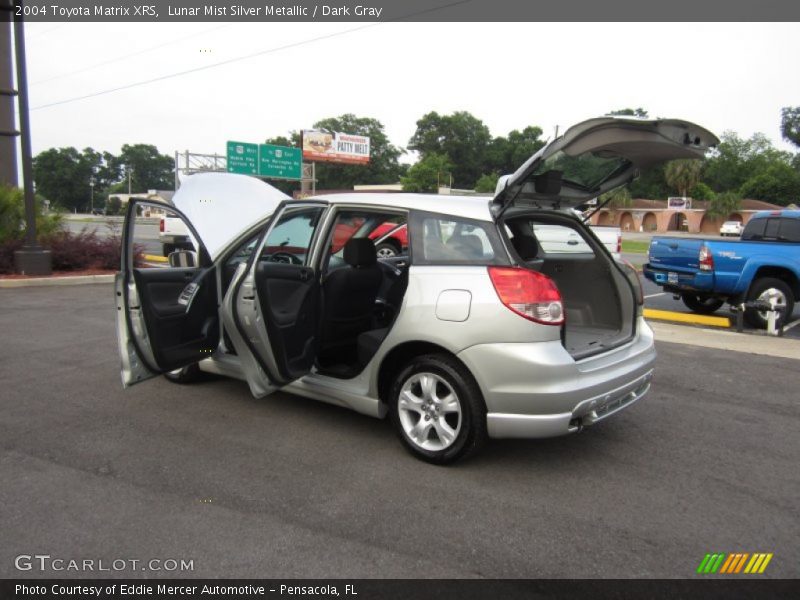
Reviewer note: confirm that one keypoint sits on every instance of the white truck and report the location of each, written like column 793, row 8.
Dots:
column 173, row 235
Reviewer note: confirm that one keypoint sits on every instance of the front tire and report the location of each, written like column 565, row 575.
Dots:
column 187, row 374
column 386, row 250
column 763, row 289
column 704, row 305
column 437, row 409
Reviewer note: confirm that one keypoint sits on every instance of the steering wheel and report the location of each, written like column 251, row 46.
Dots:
column 285, row 258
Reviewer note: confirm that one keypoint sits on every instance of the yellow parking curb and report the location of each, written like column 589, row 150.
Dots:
column 155, row 258
column 668, row 315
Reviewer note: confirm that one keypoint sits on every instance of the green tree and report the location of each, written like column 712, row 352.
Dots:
column 779, row 183
column 463, row 138
column 12, row 215
column 486, row 183
column 618, row 198
column 736, row 160
column 683, row 174
column 113, row 206
column 63, row 176
column 149, row 170
column 505, row 154
column 723, row 204
column 630, row 112
column 383, row 167
column 651, row 184
column 425, row 175
column 790, row 124
column 700, row 191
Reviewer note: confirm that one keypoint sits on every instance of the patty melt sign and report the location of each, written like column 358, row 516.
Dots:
column 333, row 146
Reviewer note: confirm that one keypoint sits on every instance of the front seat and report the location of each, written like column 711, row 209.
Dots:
column 526, row 246
column 349, row 295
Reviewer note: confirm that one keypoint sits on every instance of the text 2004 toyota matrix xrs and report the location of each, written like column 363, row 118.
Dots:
column 475, row 330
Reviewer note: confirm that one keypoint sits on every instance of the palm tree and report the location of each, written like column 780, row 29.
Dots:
column 683, row 174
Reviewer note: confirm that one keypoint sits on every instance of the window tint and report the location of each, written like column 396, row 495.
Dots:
column 790, row 230
column 291, row 236
column 771, row 230
column 371, row 224
column 156, row 233
column 754, row 229
column 455, row 241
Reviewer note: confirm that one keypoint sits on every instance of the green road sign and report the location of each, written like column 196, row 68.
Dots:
column 242, row 158
column 280, row 162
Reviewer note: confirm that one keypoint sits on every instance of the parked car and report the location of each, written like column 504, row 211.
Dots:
column 477, row 331
column 173, row 235
column 763, row 265
column 731, row 228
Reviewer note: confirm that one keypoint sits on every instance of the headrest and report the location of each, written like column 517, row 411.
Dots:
column 360, row 252
column 526, row 247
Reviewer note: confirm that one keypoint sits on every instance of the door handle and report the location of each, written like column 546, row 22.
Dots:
column 573, row 242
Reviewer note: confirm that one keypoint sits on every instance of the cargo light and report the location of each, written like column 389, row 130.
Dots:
column 529, row 294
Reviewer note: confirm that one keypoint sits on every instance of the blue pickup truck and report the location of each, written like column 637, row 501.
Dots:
column 763, row 265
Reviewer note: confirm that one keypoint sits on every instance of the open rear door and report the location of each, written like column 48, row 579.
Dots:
column 167, row 315
column 273, row 303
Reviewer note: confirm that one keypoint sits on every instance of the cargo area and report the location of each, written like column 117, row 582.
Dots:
column 598, row 299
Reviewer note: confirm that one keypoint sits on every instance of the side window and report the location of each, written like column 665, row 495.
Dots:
column 754, row 229
column 771, row 230
column 448, row 240
column 157, row 233
column 790, row 230
column 290, row 239
column 388, row 232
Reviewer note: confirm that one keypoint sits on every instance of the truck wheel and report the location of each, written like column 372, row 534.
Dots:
column 187, row 374
column 763, row 289
column 386, row 250
column 704, row 305
column 437, row 409
column 168, row 249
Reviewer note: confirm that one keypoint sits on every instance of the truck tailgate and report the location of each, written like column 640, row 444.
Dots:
column 675, row 254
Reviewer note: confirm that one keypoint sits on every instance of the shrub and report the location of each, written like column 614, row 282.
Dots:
column 84, row 250
column 12, row 215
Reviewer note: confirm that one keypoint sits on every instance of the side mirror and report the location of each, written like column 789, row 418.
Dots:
column 182, row 258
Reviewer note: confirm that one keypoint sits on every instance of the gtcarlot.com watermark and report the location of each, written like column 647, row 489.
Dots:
column 57, row 564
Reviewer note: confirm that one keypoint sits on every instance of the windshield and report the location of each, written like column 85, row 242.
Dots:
column 586, row 171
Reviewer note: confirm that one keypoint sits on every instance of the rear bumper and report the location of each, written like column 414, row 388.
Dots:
column 538, row 390
column 693, row 281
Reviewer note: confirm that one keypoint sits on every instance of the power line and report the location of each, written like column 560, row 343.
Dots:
column 245, row 57
column 203, row 68
column 125, row 56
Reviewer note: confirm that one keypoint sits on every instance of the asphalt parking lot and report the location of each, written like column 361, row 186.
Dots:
column 288, row 487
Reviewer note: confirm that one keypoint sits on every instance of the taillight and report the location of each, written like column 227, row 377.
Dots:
column 706, row 259
column 161, row 225
column 529, row 294
column 619, row 243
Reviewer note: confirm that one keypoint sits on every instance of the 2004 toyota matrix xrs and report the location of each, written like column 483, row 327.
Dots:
column 475, row 330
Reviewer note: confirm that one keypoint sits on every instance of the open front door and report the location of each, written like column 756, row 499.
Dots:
column 167, row 315
column 274, row 301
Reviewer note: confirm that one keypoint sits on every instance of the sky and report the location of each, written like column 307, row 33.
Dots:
column 721, row 76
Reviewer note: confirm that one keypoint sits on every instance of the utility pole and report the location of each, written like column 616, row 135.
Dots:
column 32, row 259
column 8, row 131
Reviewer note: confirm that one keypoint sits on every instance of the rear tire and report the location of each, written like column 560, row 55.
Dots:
column 761, row 289
column 168, row 249
column 188, row 374
column 704, row 305
column 386, row 250
column 437, row 409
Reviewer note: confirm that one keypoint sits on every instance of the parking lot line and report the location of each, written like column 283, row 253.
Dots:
column 668, row 315
column 792, row 324
column 654, row 295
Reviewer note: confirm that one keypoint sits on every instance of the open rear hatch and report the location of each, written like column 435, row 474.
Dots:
column 591, row 158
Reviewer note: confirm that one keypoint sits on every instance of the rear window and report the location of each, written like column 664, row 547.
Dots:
column 780, row 229
column 450, row 240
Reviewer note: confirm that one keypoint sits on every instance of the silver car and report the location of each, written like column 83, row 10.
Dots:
column 476, row 330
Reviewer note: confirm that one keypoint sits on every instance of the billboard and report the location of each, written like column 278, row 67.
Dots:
column 679, row 202
column 333, row 146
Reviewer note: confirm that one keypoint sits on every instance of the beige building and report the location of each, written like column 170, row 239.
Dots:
column 656, row 216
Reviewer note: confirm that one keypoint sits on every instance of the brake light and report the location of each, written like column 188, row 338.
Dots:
column 619, row 243
column 529, row 294
column 161, row 225
column 706, row 259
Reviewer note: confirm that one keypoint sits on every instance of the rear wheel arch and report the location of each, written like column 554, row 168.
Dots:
column 782, row 273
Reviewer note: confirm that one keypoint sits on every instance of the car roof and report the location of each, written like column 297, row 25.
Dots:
column 777, row 213
column 471, row 207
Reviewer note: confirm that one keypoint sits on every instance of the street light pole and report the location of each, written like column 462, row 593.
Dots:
column 91, row 205
column 32, row 259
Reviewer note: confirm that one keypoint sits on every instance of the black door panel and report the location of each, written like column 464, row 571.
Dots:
column 180, row 334
column 289, row 300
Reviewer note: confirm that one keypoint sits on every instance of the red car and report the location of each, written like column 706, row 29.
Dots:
column 392, row 245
